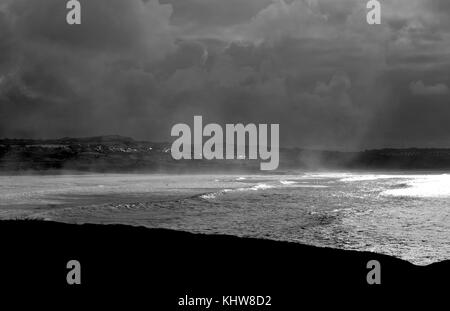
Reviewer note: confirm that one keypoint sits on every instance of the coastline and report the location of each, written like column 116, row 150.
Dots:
column 118, row 154
column 164, row 264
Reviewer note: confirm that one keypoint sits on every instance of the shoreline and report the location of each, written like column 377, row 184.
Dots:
column 167, row 264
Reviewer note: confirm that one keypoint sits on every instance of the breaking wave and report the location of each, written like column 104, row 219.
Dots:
column 426, row 186
column 287, row 182
column 214, row 195
column 368, row 177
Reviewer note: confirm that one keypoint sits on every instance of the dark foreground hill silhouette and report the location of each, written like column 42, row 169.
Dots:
column 157, row 267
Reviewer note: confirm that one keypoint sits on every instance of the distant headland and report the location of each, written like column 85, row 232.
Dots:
column 115, row 153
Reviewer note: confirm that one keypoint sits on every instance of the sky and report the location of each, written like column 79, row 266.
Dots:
column 137, row 67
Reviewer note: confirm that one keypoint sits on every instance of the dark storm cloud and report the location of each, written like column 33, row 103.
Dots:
column 215, row 12
column 82, row 80
column 108, row 26
column 137, row 67
column 419, row 88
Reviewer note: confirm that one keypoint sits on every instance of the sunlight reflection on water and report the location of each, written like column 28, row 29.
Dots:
column 403, row 215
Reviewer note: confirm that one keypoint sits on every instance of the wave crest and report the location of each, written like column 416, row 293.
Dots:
column 214, row 195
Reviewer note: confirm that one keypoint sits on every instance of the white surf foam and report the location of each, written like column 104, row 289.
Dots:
column 424, row 186
column 214, row 195
column 287, row 182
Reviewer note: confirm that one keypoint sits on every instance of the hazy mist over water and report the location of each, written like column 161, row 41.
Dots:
column 402, row 214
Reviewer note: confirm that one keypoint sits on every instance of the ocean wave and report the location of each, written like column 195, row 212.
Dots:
column 214, row 195
column 287, row 182
column 426, row 186
column 257, row 187
column 325, row 175
column 372, row 177
column 312, row 186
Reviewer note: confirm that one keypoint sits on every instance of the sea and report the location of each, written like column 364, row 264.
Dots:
column 406, row 215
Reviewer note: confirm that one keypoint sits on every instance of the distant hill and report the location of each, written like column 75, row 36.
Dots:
column 124, row 154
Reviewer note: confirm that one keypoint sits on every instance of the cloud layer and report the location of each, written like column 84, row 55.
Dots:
column 136, row 67
column 419, row 88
